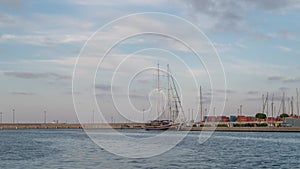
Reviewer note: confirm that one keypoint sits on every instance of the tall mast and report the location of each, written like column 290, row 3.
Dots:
column 292, row 105
column 289, row 106
column 283, row 104
column 297, row 103
column 192, row 115
column 263, row 103
column 272, row 106
column 214, row 111
column 267, row 104
column 177, row 101
column 241, row 110
column 189, row 114
column 169, row 92
column 158, row 93
column 201, row 105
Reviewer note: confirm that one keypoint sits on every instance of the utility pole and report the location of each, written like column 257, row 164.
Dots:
column 144, row 116
column 13, row 118
column 45, row 116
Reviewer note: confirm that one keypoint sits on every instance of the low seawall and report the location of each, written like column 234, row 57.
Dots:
column 71, row 126
column 140, row 126
column 245, row 129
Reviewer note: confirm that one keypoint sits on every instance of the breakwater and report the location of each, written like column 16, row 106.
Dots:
column 140, row 126
column 71, row 126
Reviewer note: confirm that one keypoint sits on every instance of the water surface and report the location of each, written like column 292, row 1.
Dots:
column 70, row 148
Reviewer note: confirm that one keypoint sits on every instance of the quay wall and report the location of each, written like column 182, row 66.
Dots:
column 70, row 126
column 140, row 126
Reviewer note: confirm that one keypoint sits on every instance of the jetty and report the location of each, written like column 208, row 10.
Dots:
column 140, row 126
column 71, row 126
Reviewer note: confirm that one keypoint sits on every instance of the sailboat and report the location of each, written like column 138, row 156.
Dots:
column 165, row 124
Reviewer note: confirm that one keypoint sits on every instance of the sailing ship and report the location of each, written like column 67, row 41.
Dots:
column 173, row 101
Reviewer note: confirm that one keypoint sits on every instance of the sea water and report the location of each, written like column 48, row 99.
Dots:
column 72, row 148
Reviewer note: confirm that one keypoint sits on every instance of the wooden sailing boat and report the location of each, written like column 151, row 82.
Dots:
column 164, row 124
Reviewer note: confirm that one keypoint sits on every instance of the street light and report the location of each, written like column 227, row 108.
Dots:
column 1, row 116
column 13, row 119
column 45, row 116
column 143, row 115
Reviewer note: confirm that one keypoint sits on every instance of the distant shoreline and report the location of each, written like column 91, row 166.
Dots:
column 140, row 126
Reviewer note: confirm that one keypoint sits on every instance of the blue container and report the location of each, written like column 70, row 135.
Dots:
column 232, row 119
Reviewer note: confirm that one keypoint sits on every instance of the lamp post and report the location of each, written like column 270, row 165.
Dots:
column 13, row 118
column 143, row 115
column 1, row 116
column 45, row 116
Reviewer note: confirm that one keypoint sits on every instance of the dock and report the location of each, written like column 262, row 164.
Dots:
column 71, row 126
column 140, row 126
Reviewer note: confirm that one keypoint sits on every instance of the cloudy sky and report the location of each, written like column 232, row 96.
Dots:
column 257, row 43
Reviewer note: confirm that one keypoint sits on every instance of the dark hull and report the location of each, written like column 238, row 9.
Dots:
column 157, row 127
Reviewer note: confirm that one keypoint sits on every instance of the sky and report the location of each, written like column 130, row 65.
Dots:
column 246, row 48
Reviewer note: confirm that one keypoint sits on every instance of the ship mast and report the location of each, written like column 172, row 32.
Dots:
column 201, row 105
column 158, row 93
column 272, row 106
column 283, row 104
column 292, row 105
column 289, row 106
column 267, row 105
column 263, row 103
column 169, row 93
column 297, row 103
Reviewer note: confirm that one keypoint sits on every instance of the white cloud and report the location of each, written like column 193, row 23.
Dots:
column 284, row 48
column 6, row 37
column 44, row 40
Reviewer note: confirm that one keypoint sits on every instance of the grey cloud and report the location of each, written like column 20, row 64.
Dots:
column 227, row 13
column 276, row 98
column 144, row 81
column 70, row 93
column 253, row 92
column 136, row 96
column 284, row 89
column 103, row 87
column 253, row 99
column 10, row 4
column 292, row 80
column 272, row 5
column 275, row 78
column 6, row 20
column 227, row 91
column 232, row 9
column 230, row 14
column 23, row 93
column 31, row 75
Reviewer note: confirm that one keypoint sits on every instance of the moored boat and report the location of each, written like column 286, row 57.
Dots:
column 158, row 125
